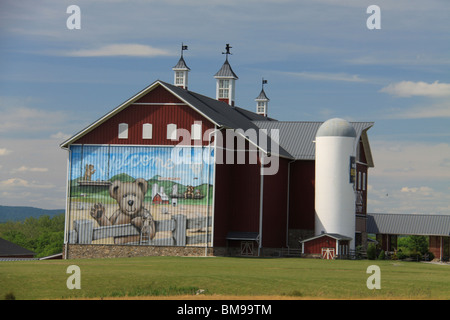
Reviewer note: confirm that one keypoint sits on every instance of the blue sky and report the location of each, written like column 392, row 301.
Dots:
column 319, row 57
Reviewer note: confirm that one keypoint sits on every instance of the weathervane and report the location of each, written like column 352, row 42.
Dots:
column 183, row 47
column 263, row 83
column 227, row 48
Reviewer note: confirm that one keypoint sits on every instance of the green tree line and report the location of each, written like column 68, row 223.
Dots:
column 43, row 235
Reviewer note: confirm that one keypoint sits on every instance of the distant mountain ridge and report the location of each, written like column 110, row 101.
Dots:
column 11, row 213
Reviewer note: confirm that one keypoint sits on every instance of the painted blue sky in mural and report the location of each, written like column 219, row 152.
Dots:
column 184, row 165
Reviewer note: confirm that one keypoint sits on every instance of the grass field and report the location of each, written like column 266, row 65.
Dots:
column 220, row 277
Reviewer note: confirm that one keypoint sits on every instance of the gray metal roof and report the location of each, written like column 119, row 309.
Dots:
column 181, row 65
column 336, row 128
column 336, row 236
column 408, row 224
column 9, row 249
column 297, row 137
column 262, row 96
column 226, row 71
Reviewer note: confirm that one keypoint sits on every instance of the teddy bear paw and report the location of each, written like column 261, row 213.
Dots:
column 97, row 211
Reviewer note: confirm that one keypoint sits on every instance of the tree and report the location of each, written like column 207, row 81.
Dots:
column 418, row 244
column 44, row 236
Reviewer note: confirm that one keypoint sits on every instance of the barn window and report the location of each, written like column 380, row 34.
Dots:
column 359, row 181
column 196, row 131
column 147, row 131
column 224, row 88
column 172, row 131
column 123, row 130
column 364, row 182
column 179, row 78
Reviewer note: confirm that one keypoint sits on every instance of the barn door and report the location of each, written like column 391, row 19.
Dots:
column 246, row 248
column 328, row 253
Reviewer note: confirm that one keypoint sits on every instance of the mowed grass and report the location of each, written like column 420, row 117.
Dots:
column 169, row 277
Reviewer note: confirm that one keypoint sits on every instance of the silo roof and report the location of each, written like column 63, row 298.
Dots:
column 336, row 127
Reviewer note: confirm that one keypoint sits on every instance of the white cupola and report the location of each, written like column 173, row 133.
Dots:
column 225, row 85
column 181, row 71
column 262, row 102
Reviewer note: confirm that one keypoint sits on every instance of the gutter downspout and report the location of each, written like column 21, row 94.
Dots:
column 214, row 185
column 66, row 215
column 261, row 204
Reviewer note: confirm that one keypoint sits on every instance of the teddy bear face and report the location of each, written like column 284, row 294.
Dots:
column 129, row 195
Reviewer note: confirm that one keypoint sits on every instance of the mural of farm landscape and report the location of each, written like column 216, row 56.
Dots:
column 140, row 195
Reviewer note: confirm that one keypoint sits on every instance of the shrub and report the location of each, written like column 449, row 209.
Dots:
column 401, row 255
column 382, row 255
column 371, row 252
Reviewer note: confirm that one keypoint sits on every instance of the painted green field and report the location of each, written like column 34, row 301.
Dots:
column 218, row 277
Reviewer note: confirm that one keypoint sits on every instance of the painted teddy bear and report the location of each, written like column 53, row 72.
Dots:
column 130, row 197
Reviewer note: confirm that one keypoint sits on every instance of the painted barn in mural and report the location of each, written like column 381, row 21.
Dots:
column 171, row 168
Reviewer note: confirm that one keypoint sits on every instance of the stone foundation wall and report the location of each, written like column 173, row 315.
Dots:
column 90, row 251
column 96, row 251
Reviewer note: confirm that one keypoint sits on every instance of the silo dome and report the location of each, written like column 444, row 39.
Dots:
column 336, row 127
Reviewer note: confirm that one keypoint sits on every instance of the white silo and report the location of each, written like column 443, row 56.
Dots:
column 334, row 192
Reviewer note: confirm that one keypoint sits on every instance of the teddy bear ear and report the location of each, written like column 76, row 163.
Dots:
column 142, row 184
column 114, row 189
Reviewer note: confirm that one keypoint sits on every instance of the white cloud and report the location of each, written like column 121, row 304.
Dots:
column 60, row 136
column 28, row 169
column 410, row 88
column 17, row 118
column 425, row 191
column 434, row 110
column 408, row 199
column 323, row 76
column 21, row 183
column 410, row 160
column 4, row 152
column 409, row 177
column 130, row 50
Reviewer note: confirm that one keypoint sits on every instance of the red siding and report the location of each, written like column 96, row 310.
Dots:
column 159, row 116
column 315, row 246
column 236, row 200
column 302, row 193
column 275, row 207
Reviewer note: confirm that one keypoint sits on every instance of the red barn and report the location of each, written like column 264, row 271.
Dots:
column 234, row 178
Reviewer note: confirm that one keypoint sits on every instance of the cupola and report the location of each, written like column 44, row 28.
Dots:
column 262, row 102
column 226, row 78
column 181, row 71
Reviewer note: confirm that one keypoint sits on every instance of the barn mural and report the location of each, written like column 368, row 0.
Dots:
column 140, row 195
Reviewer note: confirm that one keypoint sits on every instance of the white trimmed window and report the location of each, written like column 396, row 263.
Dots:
column 196, row 131
column 224, row 89
column 123, row 130
column 364, row 182
column 171, row 131
column 147, row 129
column 179, row 78
column 261, row 107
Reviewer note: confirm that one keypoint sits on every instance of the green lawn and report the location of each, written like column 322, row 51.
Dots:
column 286, row 277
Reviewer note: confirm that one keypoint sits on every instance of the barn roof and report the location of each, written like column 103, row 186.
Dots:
column 297, row 137
column 9, row 249
column 408, row 224
column 226, row 71
column 336, row 236
column 219, row 113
